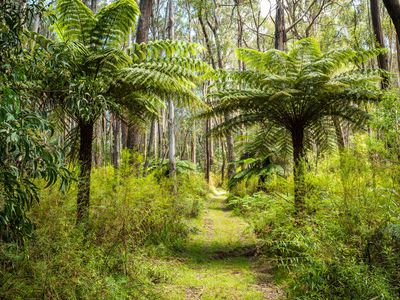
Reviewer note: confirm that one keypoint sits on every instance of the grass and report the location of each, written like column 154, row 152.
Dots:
column 212, row 264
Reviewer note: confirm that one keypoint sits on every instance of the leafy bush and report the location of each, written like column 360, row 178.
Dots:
column 132, row 218
column 26, row 154
column 348, row 245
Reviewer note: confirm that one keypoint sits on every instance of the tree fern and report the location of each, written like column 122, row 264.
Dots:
column 100, row 75
column 296, row 94
column 166, row 68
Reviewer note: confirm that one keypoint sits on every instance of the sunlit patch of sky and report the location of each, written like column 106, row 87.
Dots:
column 266, row 6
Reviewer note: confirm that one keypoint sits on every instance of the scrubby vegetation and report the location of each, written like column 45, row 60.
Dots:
column 187, row 149
column 133, row 220
column 347, row 247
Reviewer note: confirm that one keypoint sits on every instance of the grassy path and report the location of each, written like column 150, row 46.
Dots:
column 216, row 263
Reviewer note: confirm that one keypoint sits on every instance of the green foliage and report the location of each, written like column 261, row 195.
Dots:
column 299, row 90
column 89, row 54
column 348, row 245
column 27, row 151
column 158, row 71
column 75, row 22
column 292, row 99
column 160, row 167
column 134, row 220
column 26, row 154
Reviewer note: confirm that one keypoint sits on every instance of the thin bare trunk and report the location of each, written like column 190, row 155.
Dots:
column 171, row 107
column 280, row 30
column 377, row 27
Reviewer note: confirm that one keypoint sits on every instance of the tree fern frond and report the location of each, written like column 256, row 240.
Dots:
column 271, row 60
column 168, row 87
column 305, row 50
column 106, row 60
column 114, row 22
column 74, row 21
column 142, row 105
column 291, row 98
column 235, row 123
column 163, row 48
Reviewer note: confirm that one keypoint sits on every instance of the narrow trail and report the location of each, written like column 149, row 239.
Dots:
column 217, row 261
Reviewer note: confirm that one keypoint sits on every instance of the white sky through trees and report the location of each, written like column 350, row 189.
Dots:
column 266, row 6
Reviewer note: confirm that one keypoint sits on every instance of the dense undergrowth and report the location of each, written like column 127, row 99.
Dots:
column 132, row 219
column 348, row 245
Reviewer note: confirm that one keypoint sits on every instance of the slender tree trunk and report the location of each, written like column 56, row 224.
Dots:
column 142, row 35
column 116, row 128
column 171, row 106
column 150, row 151
column 172, row 144
column 299, row 169
column 393, row 9
column 398, row 58
column 223, row 162
column 207, row 148
column 85, row 164
column 93, row 5
column 280, row 30
column 229, row 138
column 230, row 152
column 377, row 27
column 194, row 144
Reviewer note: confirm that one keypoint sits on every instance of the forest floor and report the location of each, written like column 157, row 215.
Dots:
column 217, row 262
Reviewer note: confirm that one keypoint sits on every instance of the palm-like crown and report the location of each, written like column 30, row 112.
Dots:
column 298, row 91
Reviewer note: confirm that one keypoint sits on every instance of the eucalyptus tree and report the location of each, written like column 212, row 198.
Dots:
column 94, row 64
column 292, row 97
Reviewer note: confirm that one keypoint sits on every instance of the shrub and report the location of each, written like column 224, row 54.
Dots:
column 132, row 218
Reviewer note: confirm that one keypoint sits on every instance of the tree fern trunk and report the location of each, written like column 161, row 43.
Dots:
column 298, row 169
column 85, row 164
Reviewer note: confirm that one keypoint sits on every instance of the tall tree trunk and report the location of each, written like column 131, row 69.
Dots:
column 85, row 164
column 116, row 128
column 207, row 122
column 230, row 152
column 393, row 9
column 398, row 57
column 280, row 30
column 142, row 35
column 377, row 28
column 194, row 144
column 171, row 107
column 133, row 138
column 150, row 151
column 229, row 138
column 207, row 148
column 298, row 169
column 93, row 5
